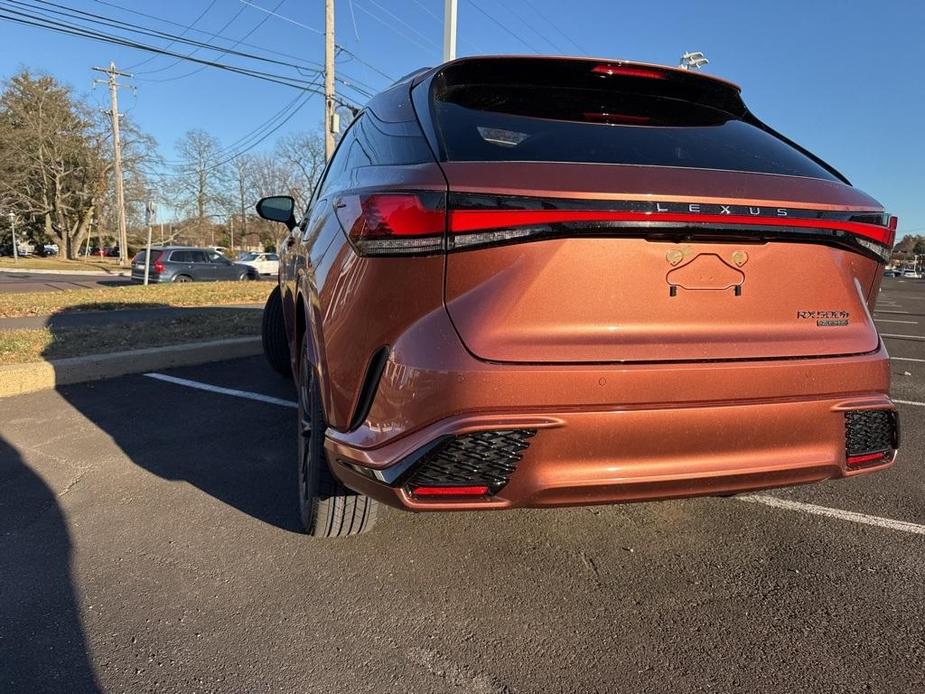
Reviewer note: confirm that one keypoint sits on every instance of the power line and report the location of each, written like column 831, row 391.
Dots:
column 318, row 31
column 553, row 24
column 190, row 26
column 401, row 21
column 503, row 26
column 85, row 32
column 353, row 81
column 71, row 13
column 523, row 20
column 427, row 11
column 223, row 52
column 196, row 50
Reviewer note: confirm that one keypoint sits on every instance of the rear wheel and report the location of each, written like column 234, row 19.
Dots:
column 326, row 507
column 273, row 332
column 182, row 278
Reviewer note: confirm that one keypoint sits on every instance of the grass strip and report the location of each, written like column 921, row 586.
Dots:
column 21, row 346
column 36, row 263
column 133, row 296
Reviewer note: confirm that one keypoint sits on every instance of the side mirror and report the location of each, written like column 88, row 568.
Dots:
column 278, row 208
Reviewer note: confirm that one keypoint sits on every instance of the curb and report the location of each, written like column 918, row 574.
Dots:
column 88, row 273
column 19, row 379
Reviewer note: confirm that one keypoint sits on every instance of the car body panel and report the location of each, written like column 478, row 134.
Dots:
column 634, row 393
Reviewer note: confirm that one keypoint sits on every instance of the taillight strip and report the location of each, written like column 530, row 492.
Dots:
column 467, row 221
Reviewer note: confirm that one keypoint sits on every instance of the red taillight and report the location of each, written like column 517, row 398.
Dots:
column 468, row 221
column 394, row 223
column 868, row 458
column 629, row 71
column 443, row 492
column 157, row 266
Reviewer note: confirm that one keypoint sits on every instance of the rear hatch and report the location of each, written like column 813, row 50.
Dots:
column 603, row 212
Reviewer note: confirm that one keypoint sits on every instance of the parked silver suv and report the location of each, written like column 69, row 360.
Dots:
column 185, row 264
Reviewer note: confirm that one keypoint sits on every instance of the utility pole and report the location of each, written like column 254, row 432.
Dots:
column 149, row 222
column 111, row 74
column 449, row 30
column 231, row 225
column 329, row 115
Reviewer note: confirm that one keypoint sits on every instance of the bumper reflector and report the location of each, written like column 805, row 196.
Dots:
column 869, row 458
column 472, row 490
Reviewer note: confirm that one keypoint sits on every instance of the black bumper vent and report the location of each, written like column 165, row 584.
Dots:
column 485, row 457
column 870, row 431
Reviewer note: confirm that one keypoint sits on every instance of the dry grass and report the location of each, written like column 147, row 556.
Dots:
column 19, row 346
column 37, row 263
column 135, row 296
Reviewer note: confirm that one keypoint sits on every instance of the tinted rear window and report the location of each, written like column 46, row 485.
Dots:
column 521, row 115
column 180, row 257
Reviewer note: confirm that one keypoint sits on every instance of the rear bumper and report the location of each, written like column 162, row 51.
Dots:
column 613, row 433
column 152, row 278
column 630, row 455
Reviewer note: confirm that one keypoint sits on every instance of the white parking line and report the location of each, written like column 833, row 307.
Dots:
column 903, row 337
column 774, row 502
column 223, row 391
column 904, row 322
column 888, row 523
column 907, row 359
column 905, row 313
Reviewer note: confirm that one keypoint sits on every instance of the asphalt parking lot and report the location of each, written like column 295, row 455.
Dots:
column 19, row 282
column 148, row 542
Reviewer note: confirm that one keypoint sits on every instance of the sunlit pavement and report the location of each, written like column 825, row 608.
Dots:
column 19, row 282
column 148, row 542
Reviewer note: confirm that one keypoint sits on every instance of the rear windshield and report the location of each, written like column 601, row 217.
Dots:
column 615, row 120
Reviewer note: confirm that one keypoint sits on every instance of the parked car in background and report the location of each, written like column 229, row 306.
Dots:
column 185, row 264
column 892, row 273
column 264, row 263
column 911, row 275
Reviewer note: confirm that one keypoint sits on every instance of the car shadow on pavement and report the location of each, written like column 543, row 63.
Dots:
column 42, row 643
column 237, row 451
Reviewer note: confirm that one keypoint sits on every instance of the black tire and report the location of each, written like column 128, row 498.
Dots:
column 273, row 332
column 182, row 278
column 326, row 507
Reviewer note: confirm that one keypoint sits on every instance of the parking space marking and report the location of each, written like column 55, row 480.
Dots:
column 773, row 502
column 905, row 313
column 903, row 337
column 223, row 391
column 889, row 320
column 907, row 359
column 786, row 504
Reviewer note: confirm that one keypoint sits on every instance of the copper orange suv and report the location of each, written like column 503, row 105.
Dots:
column 528, row 281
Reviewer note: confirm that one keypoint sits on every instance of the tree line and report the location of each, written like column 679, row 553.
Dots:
column 56, row 175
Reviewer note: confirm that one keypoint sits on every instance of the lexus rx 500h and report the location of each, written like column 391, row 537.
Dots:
column 530, row 282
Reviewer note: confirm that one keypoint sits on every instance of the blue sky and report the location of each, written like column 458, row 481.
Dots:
column 844, row 79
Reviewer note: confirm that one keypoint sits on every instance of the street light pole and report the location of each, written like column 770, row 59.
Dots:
column 13, row 233
column 449, row 30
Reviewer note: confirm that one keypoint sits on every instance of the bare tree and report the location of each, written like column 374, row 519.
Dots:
column 303, row 154
column 201, row 180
